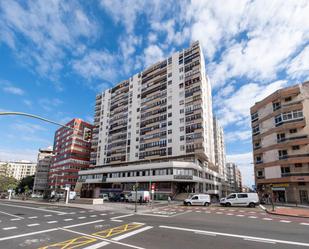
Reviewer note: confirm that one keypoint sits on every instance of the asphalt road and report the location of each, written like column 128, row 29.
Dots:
column 42, row 226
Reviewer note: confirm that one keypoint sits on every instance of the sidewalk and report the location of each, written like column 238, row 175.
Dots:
column 106, row 206
column 289, row 211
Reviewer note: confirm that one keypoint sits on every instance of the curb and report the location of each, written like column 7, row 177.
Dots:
column 289, row 215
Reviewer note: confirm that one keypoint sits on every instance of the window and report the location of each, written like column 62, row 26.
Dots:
column 288, row 99
column 233, row 196
column 169, row 75
column 182, row 128
column 169, row 82
column 181, row 85
column 169, row 140
column 169, row 132
column 283, row 154
column 285, row 170
column 295, row 147
column 182, row 138
column 293, row 130
column 280, row 137
column 258, row 159
column 298, row 165
column 170, row 114
column 242, row 195
column 278, row 119
column 169, row 151
column 194, row 198
column 169, row 107
column 181, row 102
column 182, row 148
column 254, row 116
column 181, row 110
column 255, row 130
column 180, row 69
column 169, row 123
column 181, row 120
column 276, row 106
column 170, row 60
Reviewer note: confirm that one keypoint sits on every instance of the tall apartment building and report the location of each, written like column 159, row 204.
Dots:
column 219, row 148
column 18, row 170
column 44, row 161
column 156, row 126
column 280, row 137
column 71, row 153
column 234, row 178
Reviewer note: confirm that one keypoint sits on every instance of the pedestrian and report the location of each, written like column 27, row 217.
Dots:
column 169, row 200
column 140, row 200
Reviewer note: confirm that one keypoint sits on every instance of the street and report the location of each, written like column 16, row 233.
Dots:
column 42, row 226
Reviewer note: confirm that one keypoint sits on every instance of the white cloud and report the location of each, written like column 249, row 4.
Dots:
column 236, row 107
column 27, row 128
column 42, row 32
column 299, row 66
column 233, row 136
column 49, row 104
column 13, row 90
column 152, row 54
column 18, row 154
column 244, row 163
column 97, row 65
column 27, row 102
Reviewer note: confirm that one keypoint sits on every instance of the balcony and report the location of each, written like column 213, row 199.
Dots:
column 294, row 174
column 291, row 138
column 282, row 157
column 259, row 162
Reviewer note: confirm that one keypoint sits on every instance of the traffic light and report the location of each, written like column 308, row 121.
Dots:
column 87, row 134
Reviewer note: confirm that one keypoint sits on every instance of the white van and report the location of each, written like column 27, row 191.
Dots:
column 144, row 194
column 201, row 199
column 240, row 199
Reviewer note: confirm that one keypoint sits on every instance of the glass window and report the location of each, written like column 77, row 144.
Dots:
column 232, row 196
column 242, row 196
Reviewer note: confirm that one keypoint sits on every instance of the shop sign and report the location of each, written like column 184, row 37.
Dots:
column 183, row 177
column 280, row 185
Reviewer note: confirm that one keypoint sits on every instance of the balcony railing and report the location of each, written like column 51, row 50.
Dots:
column 291, row 138
column 294, row 174
column 259, row 162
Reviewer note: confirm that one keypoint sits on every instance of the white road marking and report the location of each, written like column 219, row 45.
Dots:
column 285, row 221
column 240, row 215
column 26, row 207
column 12, row 215
column 126, row 235
column 261, row 240
column 117, row 220
column 267, row 219
column 266, row 240
column 99, row 238
column 103, row 214
column 82, row 224
column 52, row 222
column 72, row 213
column 98, row 245
column 48, row 215
column 122, row 216
column 82, row 217
column 197, row 211
column 67, row 219
column 33, row 225
column 252, row 212
column 204, row 233
column 94, row 215
column 9, row 228
column 252, row 217
column 304, row 224
column 207, row 212
column 32, row 217
column 218, row 212
column 82, row 212
column 15, row 219
column 28, row 234
column 156, row 215
column 61, row 214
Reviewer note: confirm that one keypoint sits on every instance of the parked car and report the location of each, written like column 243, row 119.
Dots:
column 240, row 199
column 200, row 199
column 144, row 195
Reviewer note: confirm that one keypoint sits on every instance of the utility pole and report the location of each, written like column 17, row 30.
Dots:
column 135, row 187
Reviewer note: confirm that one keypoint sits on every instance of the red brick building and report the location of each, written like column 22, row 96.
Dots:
column 72, row 153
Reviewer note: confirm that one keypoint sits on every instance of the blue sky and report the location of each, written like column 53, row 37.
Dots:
column 56, row 55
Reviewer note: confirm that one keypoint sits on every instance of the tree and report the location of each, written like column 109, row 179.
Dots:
column 25, row 184
column 7, row 183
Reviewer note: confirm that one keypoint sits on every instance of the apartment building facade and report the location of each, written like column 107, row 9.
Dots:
column 234, row 178
column 280, row 137
column 18, row 170
column 71, row 153
column 156, row 127
column 44, row 161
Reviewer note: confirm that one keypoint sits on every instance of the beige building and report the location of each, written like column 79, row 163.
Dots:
column 156, row 127
column 234, row 178
column 18, row 170
column 280, row 136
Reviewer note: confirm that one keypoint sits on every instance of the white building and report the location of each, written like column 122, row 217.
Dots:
column 156, row 127
column 19, row 169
